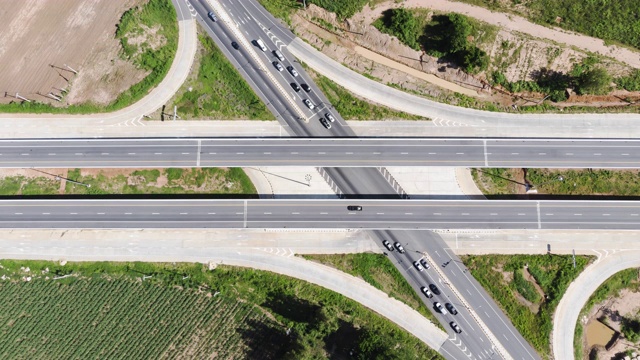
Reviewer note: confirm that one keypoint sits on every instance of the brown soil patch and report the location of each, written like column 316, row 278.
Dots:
column 611, row 312
column 41, row 38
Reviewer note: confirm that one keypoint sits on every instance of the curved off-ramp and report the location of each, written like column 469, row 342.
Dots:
column 568, row 311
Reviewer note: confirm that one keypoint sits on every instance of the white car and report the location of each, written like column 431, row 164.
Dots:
column 278, row 66
column 309, row 104
column 330, row 117
column 440, row 308
column 399, row 247
column 425, row 264
column 292, row 70
column 418, row 266
column 387, row 245
column 426, row 292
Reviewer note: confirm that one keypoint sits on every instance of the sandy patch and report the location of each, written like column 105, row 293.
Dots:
column 42, row 41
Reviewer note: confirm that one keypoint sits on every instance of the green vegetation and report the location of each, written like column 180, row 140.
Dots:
column 443, row 36
column 155, row 13
column 377, row 270
column 219, row 92
column 575, row 182
column 524, row 287
column 166, row 181
column 630, row 82
column 631, row 329
column 353, row 108
column 343, row 8
column 609, row 20
column 552, row 273
column 149, row 181
column 185, row 310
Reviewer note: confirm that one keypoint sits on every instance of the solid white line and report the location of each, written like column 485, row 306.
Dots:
column 199, row 150
column 157, row 153
column 538, row 210
column 105, row 153
column 51, row 154
column 493, row 214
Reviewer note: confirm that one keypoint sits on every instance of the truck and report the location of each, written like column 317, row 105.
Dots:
column 260, row 44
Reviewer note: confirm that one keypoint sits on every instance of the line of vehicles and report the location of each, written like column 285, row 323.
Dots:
column 432, row 290
column 325, row 120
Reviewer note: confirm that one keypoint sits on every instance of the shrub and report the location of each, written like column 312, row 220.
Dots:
column 595, row 81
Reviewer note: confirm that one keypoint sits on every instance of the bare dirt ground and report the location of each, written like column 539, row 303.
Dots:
column 41, row 38
column 360, row 46
column 611, row 310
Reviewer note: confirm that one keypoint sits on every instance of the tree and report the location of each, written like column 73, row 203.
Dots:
column 474, row 59
column 457, row 33
column 595, row 81
column 405, row 26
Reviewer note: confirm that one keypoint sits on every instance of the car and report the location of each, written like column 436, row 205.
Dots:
column 212, row 16
column 425, row 263
column 426, row 292
column 278, row 54
column 440, row 308
column 451, row 308
column 326, row 124
column 235, row 45
column 399, row 247
column 305, row 87
column 295, row 87
column 292, row 71
column 418, row 266
column 352, row 207
column 259, row 43
column 434, row 289
column 277, row 65
column 387, row 245
column 330, row 117
column 455, row 327
column 309, row 104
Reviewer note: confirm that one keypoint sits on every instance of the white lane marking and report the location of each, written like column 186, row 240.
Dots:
column 184, row 213
column 437, row 213
column 157, row 153
column 633, row 214
column 212, row 153
column 46, row 213
column 486, row 156
column 459, row 153
column 211, row 213
column 404, row 153
column 78, row 153
column 239, row 213
column 73, row 213
column 521, row 214
column 295, row 213
column 131, row 153
column 379, row 213
column 624, row 154
column 464, row 214
column 597, row 154
column 349, row 153
column 198, row 154
column 127, row 213
column 606, row 214
column 239, row 153
column 185, row 153
column 548, row 214
column 408, row 213
column 294, row 153
column 569, row 154
column 577, row 214
column 324, row 213
column 542, row 153
column 155, row 213
column 376, row 153
column 17, row 213
column 105, row 153
column 52, row 154
column 100, row 213
column 515, row 153
column 493, row 214
column 321, row 153
column 267, row 213
column 538, row 211
column 267, row 153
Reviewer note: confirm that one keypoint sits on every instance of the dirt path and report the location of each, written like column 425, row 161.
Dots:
column 511, row 22
column 413, row 72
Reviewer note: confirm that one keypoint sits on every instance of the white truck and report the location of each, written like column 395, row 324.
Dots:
column 260, row 44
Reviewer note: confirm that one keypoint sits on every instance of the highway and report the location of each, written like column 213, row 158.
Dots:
column 327, row 152
column 319, row 214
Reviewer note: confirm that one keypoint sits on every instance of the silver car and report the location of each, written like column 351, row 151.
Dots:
column 278, row 66
column 292, row 70
column 309, row 104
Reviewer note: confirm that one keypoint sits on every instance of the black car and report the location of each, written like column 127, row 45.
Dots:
column 305, row 87
column 295, row 87
column 451, row 308
column 354, row 208
column 235, row 45
column 434, row 289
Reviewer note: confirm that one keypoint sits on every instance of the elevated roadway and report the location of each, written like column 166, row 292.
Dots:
column 328, row 152
column 320, row 214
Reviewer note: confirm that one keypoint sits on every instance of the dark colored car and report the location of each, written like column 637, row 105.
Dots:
column 305, row 87
column 327, row 125
column 212, row 16
column 235, row 45
column 451, row 308
column 354, row 208
column 434, row 289
column 295, row 87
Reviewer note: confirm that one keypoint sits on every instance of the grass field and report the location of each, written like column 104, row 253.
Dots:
column 377, row 270
column 107, row 310
column 575, row 182
column 497, row 274
column 218, row 91
column 157, row 61
column 354, row 108
column 616, row 21
column 123, row 181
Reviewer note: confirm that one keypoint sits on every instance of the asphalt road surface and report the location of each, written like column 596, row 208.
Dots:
column 325, row 214
column 340, row 152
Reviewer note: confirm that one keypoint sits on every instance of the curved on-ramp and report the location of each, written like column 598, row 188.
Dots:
column 568, row 311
